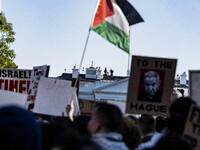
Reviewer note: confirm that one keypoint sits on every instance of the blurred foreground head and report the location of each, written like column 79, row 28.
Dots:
column 105, row 118
column 18, row 129
column 179, row 110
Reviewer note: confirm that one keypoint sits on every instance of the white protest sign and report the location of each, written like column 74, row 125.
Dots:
column 53, row 96
column 120, row 105
column 12, row 98
column 16, row 80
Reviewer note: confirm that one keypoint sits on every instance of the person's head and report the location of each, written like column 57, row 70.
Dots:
column 130, row 132
column 105, row 118
column 179, row 110
column 146, row 124
column 151, row 83
column 19, row 129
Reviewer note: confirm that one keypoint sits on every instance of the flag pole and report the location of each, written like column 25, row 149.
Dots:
column 82, row 57
column 81, row 62
column 128, row 70
column 128, row 60
column 69, row 106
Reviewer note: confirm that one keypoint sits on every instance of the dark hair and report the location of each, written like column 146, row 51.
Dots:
column 109, row 115
column 146, row 124
column 179, row 111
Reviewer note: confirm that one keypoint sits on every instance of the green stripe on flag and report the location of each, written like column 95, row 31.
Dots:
column 113, row 35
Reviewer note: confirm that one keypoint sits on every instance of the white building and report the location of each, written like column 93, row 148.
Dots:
column 94, row 86
column 104, row 90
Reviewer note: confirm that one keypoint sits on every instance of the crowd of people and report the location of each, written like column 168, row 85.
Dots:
column 105, row 129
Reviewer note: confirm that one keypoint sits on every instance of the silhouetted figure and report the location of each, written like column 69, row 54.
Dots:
column 111, row 72
column 105, row 72
column 181, row 91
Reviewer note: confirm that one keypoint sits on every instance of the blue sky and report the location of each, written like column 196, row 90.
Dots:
column 54, row 32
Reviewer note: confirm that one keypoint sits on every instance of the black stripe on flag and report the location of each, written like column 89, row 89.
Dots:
column 130, row 12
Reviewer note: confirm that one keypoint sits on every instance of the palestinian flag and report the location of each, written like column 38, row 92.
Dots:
column 112, row 20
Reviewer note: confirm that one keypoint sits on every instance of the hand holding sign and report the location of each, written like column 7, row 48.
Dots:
column 70, row 110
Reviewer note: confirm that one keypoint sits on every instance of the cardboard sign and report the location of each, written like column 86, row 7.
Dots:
column 39, row 71
column 73, row 84
column 16, row 80
column 53, row 96
column 192, row 126
column 194, row 85
column 150, row 85
column 12, row 98
column 86, row 106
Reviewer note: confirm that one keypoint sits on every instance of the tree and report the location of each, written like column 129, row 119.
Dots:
column 7, row 55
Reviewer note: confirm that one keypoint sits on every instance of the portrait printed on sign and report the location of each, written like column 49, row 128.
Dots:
column 150, row 87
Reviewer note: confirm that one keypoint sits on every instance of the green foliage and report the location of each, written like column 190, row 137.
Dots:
column 7, row 55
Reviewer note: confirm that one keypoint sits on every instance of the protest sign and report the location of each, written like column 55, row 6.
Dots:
column 12, row 98
column 86, row 106
column 74, row 82
column 150, row 85
column 53, row 96
column 192, row 126
column 38, row 71
column 194, row 85
column 16, row 80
